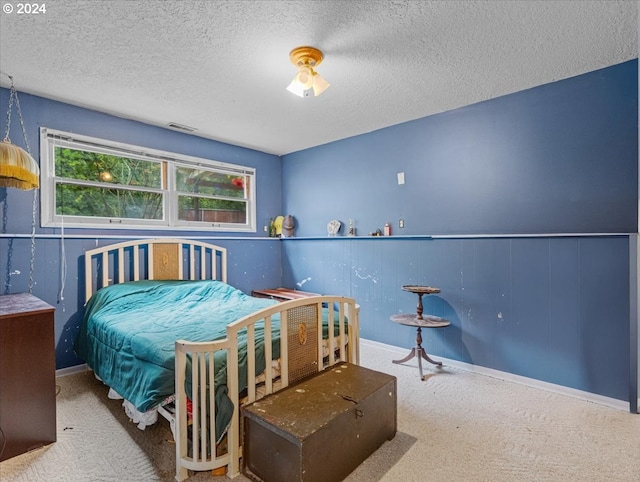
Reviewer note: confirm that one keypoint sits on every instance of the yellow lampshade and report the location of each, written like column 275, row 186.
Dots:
column 296, row 87
column 17, row 167
column 319, row 84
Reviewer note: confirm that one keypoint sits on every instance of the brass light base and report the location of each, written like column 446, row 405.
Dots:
column 310, row 56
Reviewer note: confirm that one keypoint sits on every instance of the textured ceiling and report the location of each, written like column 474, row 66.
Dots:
column 222, row 66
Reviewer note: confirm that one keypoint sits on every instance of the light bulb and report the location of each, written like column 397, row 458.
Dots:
column 106, row 176
column 305, row 77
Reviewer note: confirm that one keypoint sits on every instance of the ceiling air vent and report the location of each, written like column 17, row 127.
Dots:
column 180, row 127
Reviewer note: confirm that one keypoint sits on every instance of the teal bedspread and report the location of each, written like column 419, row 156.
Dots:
column 129, row 331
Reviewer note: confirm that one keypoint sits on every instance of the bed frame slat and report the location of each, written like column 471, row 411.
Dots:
column 120, row 265
column 136, row 264
column 149, row 262
column 203, row 263
column 251, row 362
column 268, row 349
column 105, row 269
column 284, row 351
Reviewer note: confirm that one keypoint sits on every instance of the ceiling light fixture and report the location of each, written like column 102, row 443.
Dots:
column 307, row 79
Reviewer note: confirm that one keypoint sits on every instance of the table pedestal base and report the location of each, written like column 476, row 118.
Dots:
column 419, row 353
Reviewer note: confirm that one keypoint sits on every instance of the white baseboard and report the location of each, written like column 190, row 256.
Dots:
column 490, row 372
column 63, row 372
column 509, row 377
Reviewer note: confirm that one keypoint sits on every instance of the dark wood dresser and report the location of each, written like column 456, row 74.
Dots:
column 27, row 374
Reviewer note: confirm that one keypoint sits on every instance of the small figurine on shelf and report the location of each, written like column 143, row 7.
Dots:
column 333, row 228
column 288, row 226
column 352, row 229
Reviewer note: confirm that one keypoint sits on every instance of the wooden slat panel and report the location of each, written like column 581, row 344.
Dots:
column 342, row 337
column 105, row 268
column 195, row 405
column 136, row 263
column 149, row 262
column 203, row 261
column 181, row 419
column 251, row 362
column 268, row 355
column 121, row 265
column 211, row 411
column 284, row 348
column 202, row 394
column 319, row 338
column 88, row 273
column 192, row 262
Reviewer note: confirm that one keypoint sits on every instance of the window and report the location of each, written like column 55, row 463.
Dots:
column 88, row 182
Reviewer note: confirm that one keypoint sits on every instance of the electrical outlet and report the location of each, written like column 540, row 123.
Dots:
column 401, row 223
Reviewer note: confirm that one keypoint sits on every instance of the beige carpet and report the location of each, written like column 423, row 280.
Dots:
column 455, row 426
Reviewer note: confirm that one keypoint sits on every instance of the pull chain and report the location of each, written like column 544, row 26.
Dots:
column 13, row 96
column 8, row 122
column 33, row 238
column 24, row 131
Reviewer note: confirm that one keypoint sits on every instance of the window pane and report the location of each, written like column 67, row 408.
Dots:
column 210, row 182
column 192, row 208
column 72, row 200
column 95, row 167
column 99, row 182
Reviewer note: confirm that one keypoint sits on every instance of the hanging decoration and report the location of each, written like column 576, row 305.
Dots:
column 20, row 170
column 17, row 167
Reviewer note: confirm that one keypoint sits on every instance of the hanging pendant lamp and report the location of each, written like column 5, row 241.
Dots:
column 17, row 167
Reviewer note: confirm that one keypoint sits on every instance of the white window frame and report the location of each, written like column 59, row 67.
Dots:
column 50, row 138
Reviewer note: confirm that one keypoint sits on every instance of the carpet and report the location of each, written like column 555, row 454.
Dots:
column 456, row 425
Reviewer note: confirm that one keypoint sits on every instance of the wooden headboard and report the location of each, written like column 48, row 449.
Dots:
column 159, row 259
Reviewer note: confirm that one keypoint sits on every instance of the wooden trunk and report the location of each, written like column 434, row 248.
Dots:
column 320, row 429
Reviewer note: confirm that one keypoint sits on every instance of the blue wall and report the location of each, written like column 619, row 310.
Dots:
column 253, row 262
column 560, row 158
column 537, row 167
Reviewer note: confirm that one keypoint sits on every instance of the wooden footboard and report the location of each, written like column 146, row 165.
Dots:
column 306, row 346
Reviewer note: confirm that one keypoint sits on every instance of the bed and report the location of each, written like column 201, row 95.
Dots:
column 164, row 330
